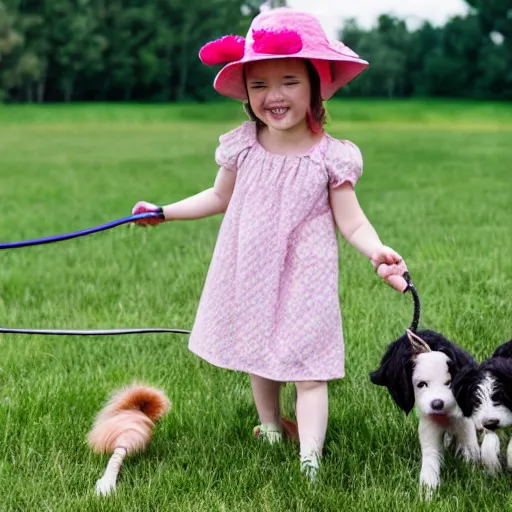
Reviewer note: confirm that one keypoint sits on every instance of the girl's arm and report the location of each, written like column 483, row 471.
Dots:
column 352, row 222
column 358, row 231
column 212, row 201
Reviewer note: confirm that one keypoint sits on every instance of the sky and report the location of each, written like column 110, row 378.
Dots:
column 332, row 12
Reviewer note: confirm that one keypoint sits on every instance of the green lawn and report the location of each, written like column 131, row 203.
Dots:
column 437, row 187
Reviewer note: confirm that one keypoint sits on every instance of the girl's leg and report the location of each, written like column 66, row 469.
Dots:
column 312, row 415
column 267, row 399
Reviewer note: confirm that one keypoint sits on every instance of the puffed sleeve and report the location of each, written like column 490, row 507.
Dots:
column 234, row 146
column 344, row 163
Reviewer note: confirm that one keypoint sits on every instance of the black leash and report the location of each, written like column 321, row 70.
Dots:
column 92, row 332
column 416, row 300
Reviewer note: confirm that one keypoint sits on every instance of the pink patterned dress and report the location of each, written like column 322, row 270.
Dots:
column 270, row 303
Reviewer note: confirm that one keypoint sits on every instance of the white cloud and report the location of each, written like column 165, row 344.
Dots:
column 331, row 13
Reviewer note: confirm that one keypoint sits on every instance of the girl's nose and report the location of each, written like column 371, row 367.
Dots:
column 275, row 94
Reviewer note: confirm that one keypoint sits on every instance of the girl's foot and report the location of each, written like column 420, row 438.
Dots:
column 270, row 433
column 310, row 466
column 273, row 433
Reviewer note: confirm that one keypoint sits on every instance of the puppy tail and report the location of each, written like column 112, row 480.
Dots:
column 127, row 420
column 124, row 426
column 150, row 401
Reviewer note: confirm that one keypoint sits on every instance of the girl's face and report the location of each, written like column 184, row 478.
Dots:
column 279, row 92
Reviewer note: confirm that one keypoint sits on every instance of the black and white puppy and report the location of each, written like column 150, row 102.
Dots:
column 418, row 368
column 484, row 393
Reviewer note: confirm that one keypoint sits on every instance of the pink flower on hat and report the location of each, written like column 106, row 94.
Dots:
column 277, row 42
column 220, row 51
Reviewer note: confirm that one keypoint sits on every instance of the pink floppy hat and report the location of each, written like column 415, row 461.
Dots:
column 277, row 34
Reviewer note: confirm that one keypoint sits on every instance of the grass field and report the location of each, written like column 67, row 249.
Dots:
column 437, row 187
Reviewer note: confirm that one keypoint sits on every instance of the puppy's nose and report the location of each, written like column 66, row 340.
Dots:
column 491, row 424
column 437, row 405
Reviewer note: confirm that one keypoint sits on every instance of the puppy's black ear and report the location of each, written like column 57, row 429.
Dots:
column 464, row 387
column 501, row 368
column 403, row 393
column 383, row 375
column 395, row 373
column 504, row 350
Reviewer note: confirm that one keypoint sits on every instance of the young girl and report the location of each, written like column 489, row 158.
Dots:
column 270, row 304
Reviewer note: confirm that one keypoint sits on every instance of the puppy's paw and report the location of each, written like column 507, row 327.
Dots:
column 105, row 486
column 427, row 493
column 429, row 483
column 470, row 453
column 492, row 466
column 490, row 453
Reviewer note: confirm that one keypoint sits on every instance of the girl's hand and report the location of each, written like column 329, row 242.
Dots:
column 390, row 266
column 143, row 207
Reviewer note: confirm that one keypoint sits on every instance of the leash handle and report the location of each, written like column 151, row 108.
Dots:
column 67, row 236
column 416, row 300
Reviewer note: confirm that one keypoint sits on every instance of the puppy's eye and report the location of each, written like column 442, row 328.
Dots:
column 448, row 383
column 422, row 384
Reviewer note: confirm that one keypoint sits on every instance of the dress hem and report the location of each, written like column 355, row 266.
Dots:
column 264, row 375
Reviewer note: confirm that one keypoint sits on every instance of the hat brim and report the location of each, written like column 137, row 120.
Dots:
column 343, row 69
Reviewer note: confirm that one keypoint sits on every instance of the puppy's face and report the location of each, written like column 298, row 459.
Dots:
column 432, row 379
column 485, row 393
column 418, row 368
column 492, row 404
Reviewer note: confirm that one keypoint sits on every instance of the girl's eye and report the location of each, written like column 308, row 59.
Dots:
column 422, row 384
column 291, row 83
column 257, row 87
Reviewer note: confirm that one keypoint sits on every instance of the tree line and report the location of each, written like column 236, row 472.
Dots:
column 135, row 50
column 469, row 57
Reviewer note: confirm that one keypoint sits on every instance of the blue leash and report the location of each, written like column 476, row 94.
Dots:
column 84, row 232
column 76, row 234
